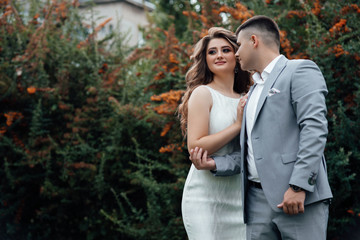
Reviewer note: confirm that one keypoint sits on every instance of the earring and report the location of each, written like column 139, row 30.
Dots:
column 236, row 70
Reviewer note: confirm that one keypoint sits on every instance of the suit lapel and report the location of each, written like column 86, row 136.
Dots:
column 243, row 124
column 280, row 65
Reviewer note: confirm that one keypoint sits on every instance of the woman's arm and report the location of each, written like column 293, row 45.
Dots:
column 226, row 165
column 199, row 107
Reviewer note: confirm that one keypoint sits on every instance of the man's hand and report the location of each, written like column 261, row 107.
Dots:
column 200, row 159
column 293, row 202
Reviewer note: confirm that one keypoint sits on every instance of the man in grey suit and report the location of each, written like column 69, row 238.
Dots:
column 286, row 193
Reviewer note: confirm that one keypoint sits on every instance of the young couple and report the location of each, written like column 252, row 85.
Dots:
column 258, row 167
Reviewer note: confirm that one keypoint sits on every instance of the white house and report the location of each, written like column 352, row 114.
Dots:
column 127, row 16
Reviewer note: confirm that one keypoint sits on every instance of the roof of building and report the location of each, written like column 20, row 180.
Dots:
column 138, row 3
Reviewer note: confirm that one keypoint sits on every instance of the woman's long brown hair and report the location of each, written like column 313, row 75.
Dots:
column 200, row 74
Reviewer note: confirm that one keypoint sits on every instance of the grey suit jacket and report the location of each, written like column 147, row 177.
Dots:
column 288, row 136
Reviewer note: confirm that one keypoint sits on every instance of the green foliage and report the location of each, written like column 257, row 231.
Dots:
column 76, row 142
column 90, row 146
column 168, row 12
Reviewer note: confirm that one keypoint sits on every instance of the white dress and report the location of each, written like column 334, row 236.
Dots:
column 212, row 206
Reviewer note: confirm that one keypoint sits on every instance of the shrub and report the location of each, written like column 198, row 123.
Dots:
column 90, row 146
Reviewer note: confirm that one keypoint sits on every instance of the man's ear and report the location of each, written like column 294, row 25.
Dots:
column 254, row 40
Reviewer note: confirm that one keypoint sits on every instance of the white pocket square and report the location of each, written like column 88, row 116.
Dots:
column 273, row 91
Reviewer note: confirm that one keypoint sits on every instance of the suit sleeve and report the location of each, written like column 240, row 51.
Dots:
column 308, row 90
column 227, row 165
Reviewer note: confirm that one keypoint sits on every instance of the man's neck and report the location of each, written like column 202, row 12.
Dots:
column 266, row 60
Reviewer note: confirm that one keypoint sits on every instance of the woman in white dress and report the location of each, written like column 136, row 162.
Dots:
column 211, row 115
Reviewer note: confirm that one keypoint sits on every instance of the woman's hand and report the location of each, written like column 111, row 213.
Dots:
column 240, row 109
column 201, row 160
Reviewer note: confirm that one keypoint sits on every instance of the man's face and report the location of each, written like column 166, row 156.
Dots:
column 245, row 54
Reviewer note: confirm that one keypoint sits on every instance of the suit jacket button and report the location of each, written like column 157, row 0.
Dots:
column 312, row 179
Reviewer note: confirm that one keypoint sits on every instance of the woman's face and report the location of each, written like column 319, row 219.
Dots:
column 220, row 56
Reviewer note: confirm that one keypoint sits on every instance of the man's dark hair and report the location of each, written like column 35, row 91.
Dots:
column 265, row 25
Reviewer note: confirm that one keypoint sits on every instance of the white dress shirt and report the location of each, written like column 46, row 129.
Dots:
column 250, row 115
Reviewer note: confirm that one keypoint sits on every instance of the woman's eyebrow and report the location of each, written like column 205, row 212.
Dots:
column 221, row 47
